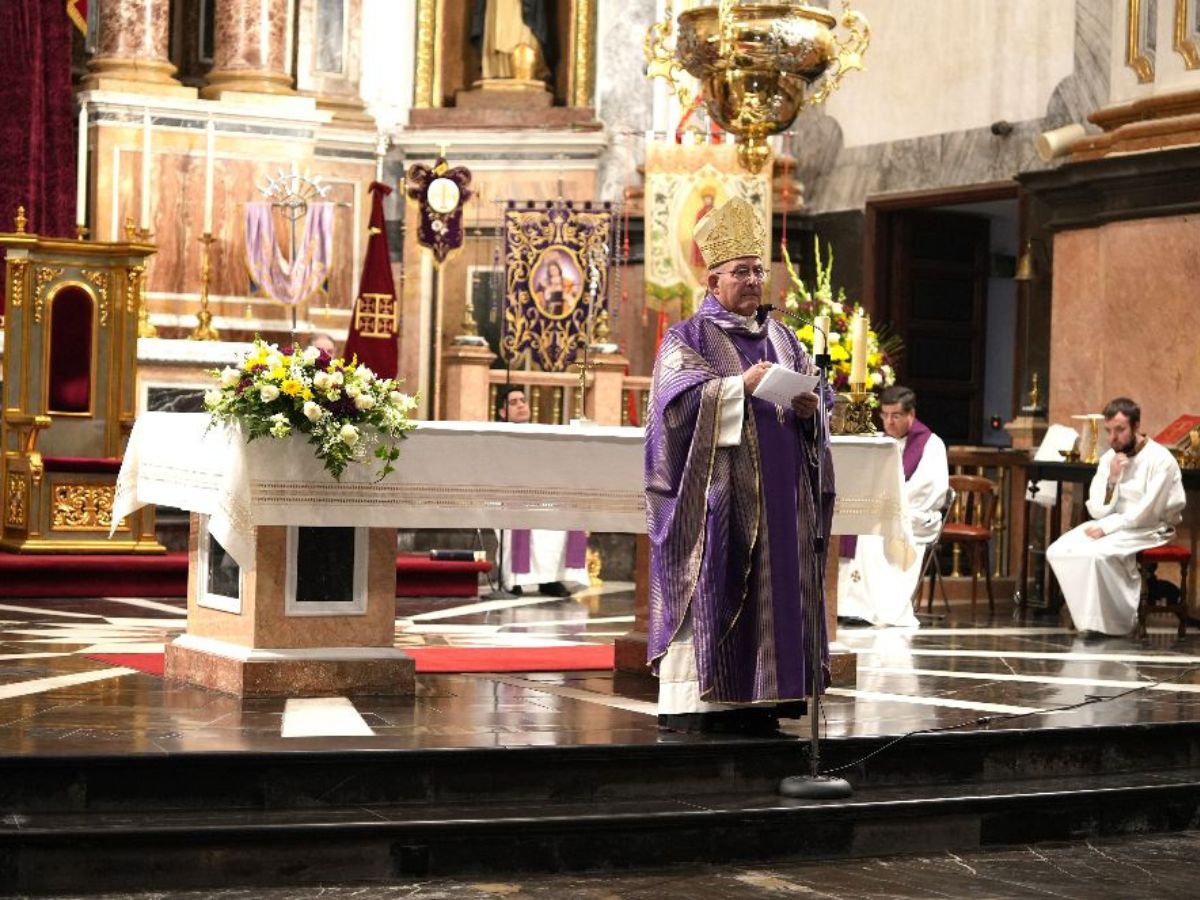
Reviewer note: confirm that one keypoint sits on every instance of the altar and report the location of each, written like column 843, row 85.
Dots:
column 265, row 513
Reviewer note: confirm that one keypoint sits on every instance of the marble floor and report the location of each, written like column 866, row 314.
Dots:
column 56, row 698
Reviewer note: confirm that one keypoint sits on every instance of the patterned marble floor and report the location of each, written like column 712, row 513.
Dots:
column 55, row 698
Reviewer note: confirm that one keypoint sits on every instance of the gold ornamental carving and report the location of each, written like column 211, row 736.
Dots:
column 1138, row 32
column 1185, row 34
column 17, row 269
column 16, row 500
column 45, row 275
column 428, row 36
column 99, row 280
column 83, row 507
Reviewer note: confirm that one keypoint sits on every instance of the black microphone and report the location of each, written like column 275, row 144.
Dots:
column 760, row 314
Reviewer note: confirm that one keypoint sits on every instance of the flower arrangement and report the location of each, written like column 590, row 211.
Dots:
column 343, row 408
column 822, row 300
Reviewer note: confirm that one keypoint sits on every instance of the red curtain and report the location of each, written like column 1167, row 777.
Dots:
column 37, row 118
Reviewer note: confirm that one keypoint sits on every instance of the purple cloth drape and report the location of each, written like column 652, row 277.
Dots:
column 281, row 280
column 520, row 550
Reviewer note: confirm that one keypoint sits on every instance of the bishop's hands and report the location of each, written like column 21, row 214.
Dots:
column 804, row 405
column 753, row 375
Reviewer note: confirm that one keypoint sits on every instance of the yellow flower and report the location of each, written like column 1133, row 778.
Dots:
column 292, row 387
column 279, row 373
column 838, row 353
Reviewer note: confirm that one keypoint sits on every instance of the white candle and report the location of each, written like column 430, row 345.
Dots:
column 858, row 351
column 82, row 171
column 209, row 147
column 821, row 326
column 144, row 219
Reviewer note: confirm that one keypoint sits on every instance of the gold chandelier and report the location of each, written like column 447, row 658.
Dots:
column 758, row 64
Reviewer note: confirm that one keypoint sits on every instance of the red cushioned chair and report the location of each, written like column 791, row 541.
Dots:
column 1148, row 562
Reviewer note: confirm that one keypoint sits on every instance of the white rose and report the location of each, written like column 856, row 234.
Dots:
column 268, row 392
column 230, row 377
column 876, row 378
column 349, row 435
column 364, row 401
column 312, row 411
column 835, row 337
column 212, row 398
column 322, row 381
column 274, row 361
column 365, row 374
column 353, row 390
column 336, row 378
column 310, row 355
column 396, row 399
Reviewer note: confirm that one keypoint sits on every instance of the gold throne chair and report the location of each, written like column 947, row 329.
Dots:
column 70, row 366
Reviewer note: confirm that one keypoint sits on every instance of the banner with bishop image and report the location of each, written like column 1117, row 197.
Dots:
column 683, row 183
column 556, row 276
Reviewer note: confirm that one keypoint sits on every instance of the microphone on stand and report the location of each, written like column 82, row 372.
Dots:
column 814, row 785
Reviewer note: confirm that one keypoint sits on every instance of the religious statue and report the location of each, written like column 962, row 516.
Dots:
column 516, row 39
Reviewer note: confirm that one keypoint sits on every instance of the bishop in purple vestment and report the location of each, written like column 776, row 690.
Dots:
column 733, row 500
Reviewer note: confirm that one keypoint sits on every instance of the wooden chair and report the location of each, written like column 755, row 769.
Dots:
column 1148, row 562
column 930, row 565
column 970, row 522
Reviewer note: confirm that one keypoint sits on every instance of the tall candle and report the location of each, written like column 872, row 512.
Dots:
column 858, row 350
column 81, row 170
column 209, row 147
column 821, row 325
column 144, row 219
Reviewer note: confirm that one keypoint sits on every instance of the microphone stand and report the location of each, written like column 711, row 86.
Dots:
column 814, row 785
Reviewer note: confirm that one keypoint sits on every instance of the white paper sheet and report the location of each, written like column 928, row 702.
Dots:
column 781, row 384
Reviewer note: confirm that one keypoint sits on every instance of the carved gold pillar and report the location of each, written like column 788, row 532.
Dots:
column 131, row 45
column 249, row 48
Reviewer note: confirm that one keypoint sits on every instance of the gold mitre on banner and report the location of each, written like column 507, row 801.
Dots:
column 730, row 231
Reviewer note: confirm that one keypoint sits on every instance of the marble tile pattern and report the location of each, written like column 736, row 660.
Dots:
column 624, row 101
column 56, row 699
column 133, row 29
column 250, row 34
column 839, row 178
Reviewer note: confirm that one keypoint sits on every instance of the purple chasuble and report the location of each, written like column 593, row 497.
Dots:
column 732, row 528
column 576, row 556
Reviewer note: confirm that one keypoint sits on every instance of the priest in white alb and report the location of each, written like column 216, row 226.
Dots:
column 552, row 563
column 1135, row 500
column 871, row 588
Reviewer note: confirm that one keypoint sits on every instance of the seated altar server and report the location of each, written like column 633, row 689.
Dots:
column 552, row 562
column 870, row 587
column 1135, row 499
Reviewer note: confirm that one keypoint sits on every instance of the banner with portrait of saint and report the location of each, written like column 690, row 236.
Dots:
column 555, row 269
column 684, row 182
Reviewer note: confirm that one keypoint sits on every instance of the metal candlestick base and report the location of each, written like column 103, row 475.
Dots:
column 852, row 412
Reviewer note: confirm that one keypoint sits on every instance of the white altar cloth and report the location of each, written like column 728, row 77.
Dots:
column 449, row 475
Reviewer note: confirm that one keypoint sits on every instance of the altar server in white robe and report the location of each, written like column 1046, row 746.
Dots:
column 870, row 587
column 537, row 560
column 1135, row 499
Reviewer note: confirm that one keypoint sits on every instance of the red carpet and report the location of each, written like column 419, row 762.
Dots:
column 444, row 659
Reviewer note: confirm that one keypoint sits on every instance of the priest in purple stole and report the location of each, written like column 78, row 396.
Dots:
column 872, row 587
column 732, row 500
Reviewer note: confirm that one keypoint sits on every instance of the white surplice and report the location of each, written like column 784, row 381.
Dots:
column 547, row 562
column 872, row 588
column 1099, row 576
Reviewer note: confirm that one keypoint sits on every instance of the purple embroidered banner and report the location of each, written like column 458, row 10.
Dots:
column 274, row 275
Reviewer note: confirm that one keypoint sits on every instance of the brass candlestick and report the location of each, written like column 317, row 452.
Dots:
column 581, row 407
column 204, row 330
column 852, row 412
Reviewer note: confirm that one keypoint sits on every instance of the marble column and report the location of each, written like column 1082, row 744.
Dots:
column 249, row 48
column 132, row 44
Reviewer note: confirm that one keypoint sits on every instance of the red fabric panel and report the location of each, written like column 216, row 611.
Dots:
column 382, row 354
column 37, row 118
column 70, row 375
column 93, row 465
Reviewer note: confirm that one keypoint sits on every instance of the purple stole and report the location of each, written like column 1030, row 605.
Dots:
column 520, row 550
column 914, row 448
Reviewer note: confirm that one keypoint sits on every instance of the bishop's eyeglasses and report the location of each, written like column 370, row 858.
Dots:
column 745, row 273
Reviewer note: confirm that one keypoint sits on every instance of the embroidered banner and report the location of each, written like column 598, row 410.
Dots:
column 290, row 281
column 683, row 182
column 556, row 263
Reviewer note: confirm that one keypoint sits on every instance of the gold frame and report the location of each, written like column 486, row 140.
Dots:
column 1141, row 64
column 427, row 85
column 1184, row 42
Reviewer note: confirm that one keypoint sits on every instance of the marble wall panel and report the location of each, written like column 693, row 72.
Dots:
column 624, row 99
column 1125, row 319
